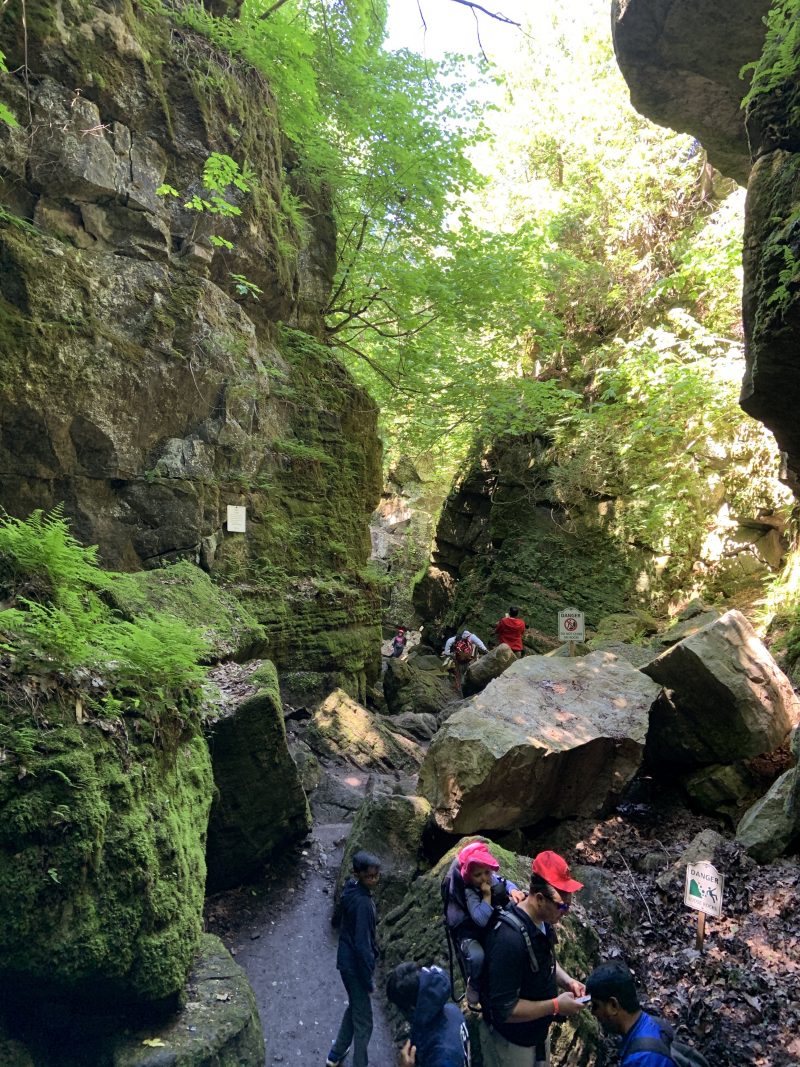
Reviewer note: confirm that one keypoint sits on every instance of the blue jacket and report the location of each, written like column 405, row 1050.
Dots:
column 438, row 1029
column 358, row 949
column 646, row 1026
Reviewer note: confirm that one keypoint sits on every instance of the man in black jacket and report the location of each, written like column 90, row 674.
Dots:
column 355, row 960
column 523, row 997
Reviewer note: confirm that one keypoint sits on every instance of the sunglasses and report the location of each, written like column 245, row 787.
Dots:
column 559, row 903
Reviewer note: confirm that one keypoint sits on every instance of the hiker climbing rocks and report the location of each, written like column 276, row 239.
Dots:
column 355, row 960
column 510, row 629
column 459, row 651
column 645, row 1041
column 521, row 976
column 471, row 891
column 439, row 1035
column 399, row 642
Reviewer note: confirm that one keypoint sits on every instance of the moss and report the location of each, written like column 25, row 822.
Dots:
column 102, row 831
column 183, row 590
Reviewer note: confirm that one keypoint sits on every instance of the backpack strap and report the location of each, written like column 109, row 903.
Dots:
column 510, row 919
column 648, row 1044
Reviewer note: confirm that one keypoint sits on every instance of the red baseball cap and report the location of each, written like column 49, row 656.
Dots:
column 477, row 852
column 554, row 870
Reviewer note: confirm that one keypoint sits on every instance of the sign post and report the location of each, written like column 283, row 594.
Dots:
column 571, row 627
column 703, row 893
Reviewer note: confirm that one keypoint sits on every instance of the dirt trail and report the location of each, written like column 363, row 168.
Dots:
column 282, row 936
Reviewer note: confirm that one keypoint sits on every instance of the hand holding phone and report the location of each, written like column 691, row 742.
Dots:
column 582, row 1000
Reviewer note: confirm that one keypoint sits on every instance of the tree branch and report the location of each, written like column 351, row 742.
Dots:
column 497, row 15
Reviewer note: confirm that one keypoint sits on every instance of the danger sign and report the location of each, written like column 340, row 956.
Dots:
column 704, row 887
column 571, row 625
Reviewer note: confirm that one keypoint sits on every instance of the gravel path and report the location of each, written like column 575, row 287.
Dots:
column 284, row 940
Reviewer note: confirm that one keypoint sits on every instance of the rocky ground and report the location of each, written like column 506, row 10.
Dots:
column 739, row 999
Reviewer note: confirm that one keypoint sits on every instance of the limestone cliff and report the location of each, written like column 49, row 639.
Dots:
column 143, row 384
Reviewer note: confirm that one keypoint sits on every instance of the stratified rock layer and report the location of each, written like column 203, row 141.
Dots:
column 259, row 803
column 728, row 699
column 141, row 387
column 550, row 737
column 341, row 727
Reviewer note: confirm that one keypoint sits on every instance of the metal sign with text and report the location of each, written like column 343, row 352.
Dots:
column 571, row 625
column 704, row 888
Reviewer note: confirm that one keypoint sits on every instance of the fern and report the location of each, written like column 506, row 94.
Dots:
column 780, row 58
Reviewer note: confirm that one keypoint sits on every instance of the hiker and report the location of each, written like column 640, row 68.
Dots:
column 471, row 891
column 510, row 629
column 439, row 1035
column 645, row 1041
column 355, row 960
column 521, row 975
column 399, row 643
column 460, row 652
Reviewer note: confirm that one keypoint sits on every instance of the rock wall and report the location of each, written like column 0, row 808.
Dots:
column 503, row 539
column 142, row 384
column 684, row 73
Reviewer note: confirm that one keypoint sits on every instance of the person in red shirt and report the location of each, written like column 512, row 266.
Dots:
column 510, row 630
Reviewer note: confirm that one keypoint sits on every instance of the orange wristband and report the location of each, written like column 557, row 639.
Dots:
column 555, row 1005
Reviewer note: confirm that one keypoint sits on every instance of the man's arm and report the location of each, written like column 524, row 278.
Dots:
column 477, row 641
column 363, row 932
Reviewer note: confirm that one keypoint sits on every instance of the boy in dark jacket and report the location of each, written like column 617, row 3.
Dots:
column 355, row 960
column 438, row 1032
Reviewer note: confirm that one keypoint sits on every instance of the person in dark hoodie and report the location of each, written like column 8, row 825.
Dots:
column 439, row 1035
column 355, row 960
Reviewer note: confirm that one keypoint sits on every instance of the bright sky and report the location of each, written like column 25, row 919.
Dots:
column 453, row 28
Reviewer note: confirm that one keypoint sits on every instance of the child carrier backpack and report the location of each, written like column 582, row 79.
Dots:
column 462, row 650
column 453, row 889
column 681, row 1054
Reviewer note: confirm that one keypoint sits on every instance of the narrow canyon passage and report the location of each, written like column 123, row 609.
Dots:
column 287, row 947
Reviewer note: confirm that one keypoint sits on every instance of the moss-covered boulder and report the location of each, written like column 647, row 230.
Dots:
column 342, row 728
column 102, row 837
column 218, row 1026
column 414, row 930
column 188, row 593
column 391, row 828
column 417, row 684
column 259, row 802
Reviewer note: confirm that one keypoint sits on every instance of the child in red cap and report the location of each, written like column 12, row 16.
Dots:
column 474, row 889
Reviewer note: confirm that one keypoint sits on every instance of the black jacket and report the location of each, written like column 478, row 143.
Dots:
column 510, row 977
column 358, row 949
column 438, row 1029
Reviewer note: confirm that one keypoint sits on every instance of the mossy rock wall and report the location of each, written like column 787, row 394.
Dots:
column 139, row 386
column 102, row 837
column 259, row 803
column 503, row 539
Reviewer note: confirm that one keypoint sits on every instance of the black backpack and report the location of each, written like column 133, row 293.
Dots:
column 681, row 1054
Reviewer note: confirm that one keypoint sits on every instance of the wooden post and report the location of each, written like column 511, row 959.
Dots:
column 571, row 648
column 701, row 930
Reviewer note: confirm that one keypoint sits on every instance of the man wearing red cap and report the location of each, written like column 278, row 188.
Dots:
column 523, row 995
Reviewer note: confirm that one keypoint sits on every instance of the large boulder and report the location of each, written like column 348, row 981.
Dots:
column 727, row 699
column 550, row 737
column 343, row 728
column 682, row 73
column 478, row 674
column 391, row 828
column 102, row 845
column 418, row 684
column 414, row 930
column 260, row 803
column 772, row 825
